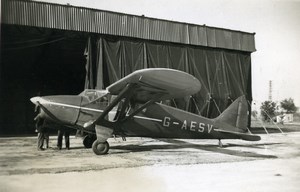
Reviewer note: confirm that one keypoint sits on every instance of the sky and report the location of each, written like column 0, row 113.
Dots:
column 275, row 22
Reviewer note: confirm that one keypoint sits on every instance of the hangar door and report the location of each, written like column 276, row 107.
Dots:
column 224, row 74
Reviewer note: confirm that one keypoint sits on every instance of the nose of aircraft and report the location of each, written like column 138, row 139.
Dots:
column 63, row 108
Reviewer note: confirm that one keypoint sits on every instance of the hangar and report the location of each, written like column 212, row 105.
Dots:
column 61, row 49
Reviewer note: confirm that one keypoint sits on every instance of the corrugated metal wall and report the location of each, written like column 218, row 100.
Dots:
column 28, row 13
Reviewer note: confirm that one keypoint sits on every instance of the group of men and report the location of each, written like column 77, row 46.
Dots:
column 43, row 134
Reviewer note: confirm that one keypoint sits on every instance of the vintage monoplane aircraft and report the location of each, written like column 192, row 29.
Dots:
column 131, row 107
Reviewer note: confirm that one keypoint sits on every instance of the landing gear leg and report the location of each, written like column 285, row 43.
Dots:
column 100, row 148
column 220, row 143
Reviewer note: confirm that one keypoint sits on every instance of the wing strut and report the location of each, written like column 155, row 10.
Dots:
column 142, row 107
column 124, row 105
column 115, row 102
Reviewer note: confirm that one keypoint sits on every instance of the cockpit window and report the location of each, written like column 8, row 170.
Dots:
column 93, row 95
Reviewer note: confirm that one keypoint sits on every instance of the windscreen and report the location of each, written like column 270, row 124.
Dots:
column 93, row 95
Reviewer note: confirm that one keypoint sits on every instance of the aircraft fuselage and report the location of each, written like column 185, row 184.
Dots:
column 163, row 121
column 157, row 120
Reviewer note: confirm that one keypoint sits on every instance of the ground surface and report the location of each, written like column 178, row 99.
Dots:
column 272, row 164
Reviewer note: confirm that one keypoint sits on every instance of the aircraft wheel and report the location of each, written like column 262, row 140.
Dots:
column 88, row 141
column 100, row 148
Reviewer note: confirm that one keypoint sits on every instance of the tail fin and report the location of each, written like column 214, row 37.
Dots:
column 235, row 117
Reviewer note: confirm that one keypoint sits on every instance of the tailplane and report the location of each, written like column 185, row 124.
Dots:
column 235, row 117
column 234, row 120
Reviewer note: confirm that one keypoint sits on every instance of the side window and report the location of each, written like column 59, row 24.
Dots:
column 103, row 101
column 91, row 95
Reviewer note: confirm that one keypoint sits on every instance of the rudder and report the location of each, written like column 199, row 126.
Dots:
column 235, row 117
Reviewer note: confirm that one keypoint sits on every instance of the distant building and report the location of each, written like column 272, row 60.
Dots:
column 285, row 118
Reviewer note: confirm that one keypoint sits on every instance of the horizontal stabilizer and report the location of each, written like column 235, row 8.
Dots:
column 244, row 136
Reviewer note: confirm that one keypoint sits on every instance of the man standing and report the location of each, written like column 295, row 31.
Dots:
column 63, row 131
column 39, row 125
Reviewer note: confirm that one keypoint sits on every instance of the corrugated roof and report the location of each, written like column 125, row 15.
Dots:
column 65, row 17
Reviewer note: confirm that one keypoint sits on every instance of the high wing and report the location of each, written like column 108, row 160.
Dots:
column 148, row 86
column 168, row 83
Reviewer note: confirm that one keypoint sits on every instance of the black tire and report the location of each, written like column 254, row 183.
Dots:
column 100, row 148
column 88, row 141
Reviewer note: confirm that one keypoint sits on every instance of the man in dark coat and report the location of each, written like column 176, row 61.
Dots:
column 39, row 125
column 63, row 131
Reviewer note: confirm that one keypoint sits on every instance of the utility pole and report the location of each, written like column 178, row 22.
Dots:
column 270, row 90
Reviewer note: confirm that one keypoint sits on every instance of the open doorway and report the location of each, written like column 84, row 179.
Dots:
column 36, row 61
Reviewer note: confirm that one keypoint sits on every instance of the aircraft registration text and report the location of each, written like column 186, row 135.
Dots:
column 188, row 125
